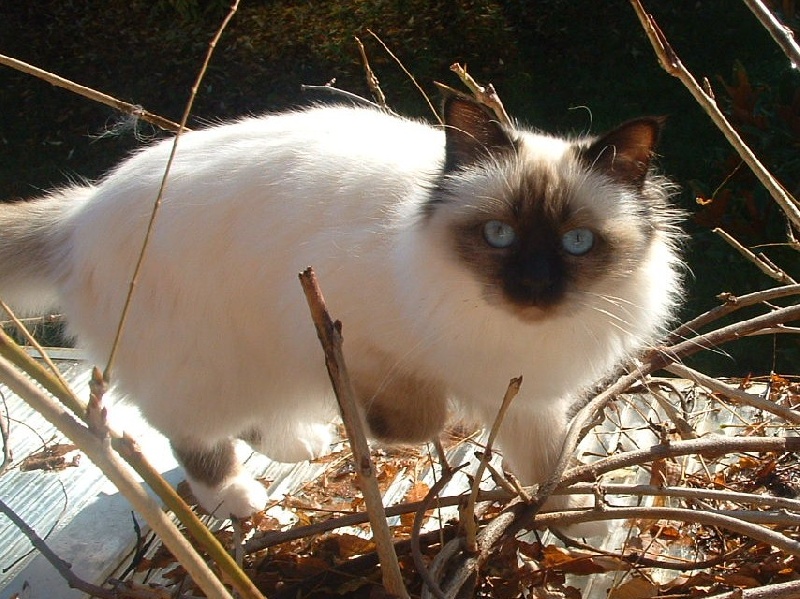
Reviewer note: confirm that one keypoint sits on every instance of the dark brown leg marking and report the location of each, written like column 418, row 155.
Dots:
column 403, row 408
column 208, row 465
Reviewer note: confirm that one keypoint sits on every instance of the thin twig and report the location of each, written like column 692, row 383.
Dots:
column 486, row 95
column 419, row 517
column 34, row 320
column 330, row 336
column 469, row 511
column 447, row 552
column 759, row 260
column 409, row 75
column 99, row 451
column 372, row 79
column 751, row 499
column 78, row 408
column 157, row 203
column 131, row 452
column 778, row 316
column 45, row 377
column 782, row 35
column 5, row 436
column 336, row 91
column 62, row 567
column 671, row 64
column 731, row 303
column 781, row 590
column 733, row 393
column 706, row 517
column 87, row 92
column 711, row 443
column 519, row 514
column 685, row 430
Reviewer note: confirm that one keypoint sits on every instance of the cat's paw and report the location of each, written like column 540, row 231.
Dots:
column 309, row 442
column 316, row 440
column 240, row 496
column 597, row 528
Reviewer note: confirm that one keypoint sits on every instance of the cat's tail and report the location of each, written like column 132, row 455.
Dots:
column 34, row 242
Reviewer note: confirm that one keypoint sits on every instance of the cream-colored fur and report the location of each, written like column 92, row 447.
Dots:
column 219, row 340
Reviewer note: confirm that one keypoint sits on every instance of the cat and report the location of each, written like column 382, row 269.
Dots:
column 457, row 257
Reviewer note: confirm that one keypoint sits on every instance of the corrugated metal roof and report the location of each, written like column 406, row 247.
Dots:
column 88, row 523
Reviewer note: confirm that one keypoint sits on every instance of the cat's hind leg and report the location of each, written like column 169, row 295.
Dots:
column 218, row 480
column 302, row 441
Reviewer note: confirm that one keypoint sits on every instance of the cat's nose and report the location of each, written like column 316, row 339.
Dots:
column 539, row 281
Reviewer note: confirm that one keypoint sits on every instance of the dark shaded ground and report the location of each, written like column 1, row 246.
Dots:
column 559, row 65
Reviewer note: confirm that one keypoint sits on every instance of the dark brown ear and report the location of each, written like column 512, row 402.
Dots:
column 472, row 132
column 625, row 153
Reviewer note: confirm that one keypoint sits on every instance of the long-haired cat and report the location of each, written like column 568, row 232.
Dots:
column 457, row 258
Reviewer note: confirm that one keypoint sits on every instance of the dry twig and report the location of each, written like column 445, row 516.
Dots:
column 87, row 92
column 372, row 79
column 330, row 336
column 157, row 203
column 408, row 74
column 782, row 35
column 98, row 449
column 486, row 95
column 61, row 566
column 672, row 64
column 763, row 263
column 469, row 522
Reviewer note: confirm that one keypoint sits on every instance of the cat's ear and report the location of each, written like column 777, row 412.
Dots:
column 625, row 153
column 472, row 132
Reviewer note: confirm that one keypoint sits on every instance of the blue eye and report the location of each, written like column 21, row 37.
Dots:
column 498, row 234
column 577, row 241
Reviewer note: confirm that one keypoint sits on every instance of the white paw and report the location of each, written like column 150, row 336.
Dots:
column 317, row 440
column 310, row 441
column 596, row 528
column 240, row 496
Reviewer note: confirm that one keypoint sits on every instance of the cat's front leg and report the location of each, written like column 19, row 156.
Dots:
column 400, row 407
column 531, row 439
column 301, row 441
column 218, row 480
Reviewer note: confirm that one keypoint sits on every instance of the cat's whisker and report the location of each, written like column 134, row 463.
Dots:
column 452, row 256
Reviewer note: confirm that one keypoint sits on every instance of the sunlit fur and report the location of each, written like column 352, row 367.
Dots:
column 219, row 342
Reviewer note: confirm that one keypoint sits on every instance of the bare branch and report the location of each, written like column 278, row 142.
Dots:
column 709, row 518
column 760, row 260
column 715, row 444
column 336, row 91
column 486, row 95
column 99, row 451
column 731, row 303
column 782, row 35
column 671, row 63
column 157, row 203
column 87, row 92
column 62, row 567
column 330, row 336
column 409, row 75
column 469, row 510
column 372, row 79
column 733, row 393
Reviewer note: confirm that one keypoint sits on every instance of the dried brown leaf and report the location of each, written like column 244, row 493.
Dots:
column 634, row 588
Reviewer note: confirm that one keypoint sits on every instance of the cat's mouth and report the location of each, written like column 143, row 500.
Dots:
column 531, row 313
